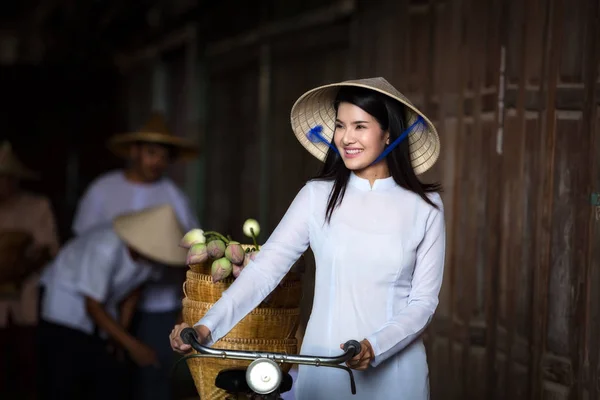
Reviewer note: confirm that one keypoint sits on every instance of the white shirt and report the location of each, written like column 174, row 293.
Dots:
column 96, row 264
column 379, row 269
column 111, row 195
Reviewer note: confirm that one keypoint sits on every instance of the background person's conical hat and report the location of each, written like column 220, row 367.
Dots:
column 316, row 107
column 10, row 164
column 155, row 233
column 154, row 131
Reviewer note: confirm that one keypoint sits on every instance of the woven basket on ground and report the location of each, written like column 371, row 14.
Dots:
column 205, row 370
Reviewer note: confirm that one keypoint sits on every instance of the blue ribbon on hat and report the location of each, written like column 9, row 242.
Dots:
column 398, row 140
column 315, row 136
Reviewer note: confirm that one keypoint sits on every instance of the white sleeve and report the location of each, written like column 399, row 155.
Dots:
column 409, row 323
column 89, row 211
column 283, row 248
column 95, row 274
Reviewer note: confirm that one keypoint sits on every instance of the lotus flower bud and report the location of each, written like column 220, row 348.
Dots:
column 237, row 269
column 197, row 254
column 249, row 257
column 215, row 248
column 235, row 253
column 192, row 237
column 251, row 225
column 220, row 269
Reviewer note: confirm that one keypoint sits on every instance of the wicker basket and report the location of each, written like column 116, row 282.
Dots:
column 205, row 370
column 263, row 323
column 200, row 287
column 270, row 327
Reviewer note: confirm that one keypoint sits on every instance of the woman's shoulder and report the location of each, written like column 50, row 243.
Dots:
column 319, row 185
column 410, row 197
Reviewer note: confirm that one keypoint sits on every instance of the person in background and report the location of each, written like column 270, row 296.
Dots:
column 31, row 217
column 89, row 295
column 142, row 183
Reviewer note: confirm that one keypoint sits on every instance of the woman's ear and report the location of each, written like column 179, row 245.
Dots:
column 387, row 138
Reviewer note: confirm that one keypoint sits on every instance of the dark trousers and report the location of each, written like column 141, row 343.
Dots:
column 75, row 365
column 151, row 383
column 17, row 362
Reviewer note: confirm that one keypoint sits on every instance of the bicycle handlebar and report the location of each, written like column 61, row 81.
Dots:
column 351, row 348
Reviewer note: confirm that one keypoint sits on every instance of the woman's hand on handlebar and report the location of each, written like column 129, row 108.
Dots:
column 175, row 337
column 362, row 360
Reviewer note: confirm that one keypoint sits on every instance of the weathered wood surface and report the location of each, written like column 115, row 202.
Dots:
column 512, row 86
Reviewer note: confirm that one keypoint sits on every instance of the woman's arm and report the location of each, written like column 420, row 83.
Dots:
column 409, row 323
column 285, row 245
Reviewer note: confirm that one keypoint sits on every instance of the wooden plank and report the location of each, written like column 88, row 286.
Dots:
column 313, row 19
column 593, row 251
column 493, row 176
column 590, row 348
column 264, row 136
column 573, row 42
column 456, row 363
column 514, row 155
column 232, row 123
column 544, row 224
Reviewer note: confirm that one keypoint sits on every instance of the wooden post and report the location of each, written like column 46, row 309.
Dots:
column 264, row 112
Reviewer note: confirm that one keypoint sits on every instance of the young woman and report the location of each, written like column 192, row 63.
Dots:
column 378, row 237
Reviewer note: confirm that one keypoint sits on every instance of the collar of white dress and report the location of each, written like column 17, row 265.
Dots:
column 364, row 184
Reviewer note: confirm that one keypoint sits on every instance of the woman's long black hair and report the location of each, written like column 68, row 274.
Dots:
column 391, row 116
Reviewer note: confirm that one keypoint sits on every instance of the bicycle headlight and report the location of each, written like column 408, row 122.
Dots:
column 263, row 376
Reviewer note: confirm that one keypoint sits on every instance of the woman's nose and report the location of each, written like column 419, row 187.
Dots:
column 348, row 137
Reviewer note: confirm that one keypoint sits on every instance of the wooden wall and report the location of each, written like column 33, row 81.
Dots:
column 512, row 86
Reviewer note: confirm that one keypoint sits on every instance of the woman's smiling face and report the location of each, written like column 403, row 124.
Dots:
column 358, row 137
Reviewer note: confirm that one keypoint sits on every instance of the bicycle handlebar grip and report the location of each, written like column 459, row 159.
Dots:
column 189, row 334
column 353, row 344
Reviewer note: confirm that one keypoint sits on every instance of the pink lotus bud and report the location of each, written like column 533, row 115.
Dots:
column 192, row 237
column 215, row 248
column 235, row 253
column 197, row 254
column 237, row 269
column 220, row 269
column 249, row 257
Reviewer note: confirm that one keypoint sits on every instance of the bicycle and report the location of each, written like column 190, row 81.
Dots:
column 263, row 378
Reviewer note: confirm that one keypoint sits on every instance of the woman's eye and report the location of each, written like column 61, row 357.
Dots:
column 338, row 126
column 360, row 126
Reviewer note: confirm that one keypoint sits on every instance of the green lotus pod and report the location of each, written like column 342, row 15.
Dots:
column 192, row 237
column 215, row 248
column 220, row 269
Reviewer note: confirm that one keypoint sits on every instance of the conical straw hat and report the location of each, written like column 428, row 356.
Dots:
column 10, row 164
column 154, row 233
column 316, row 107
column 154, row 131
